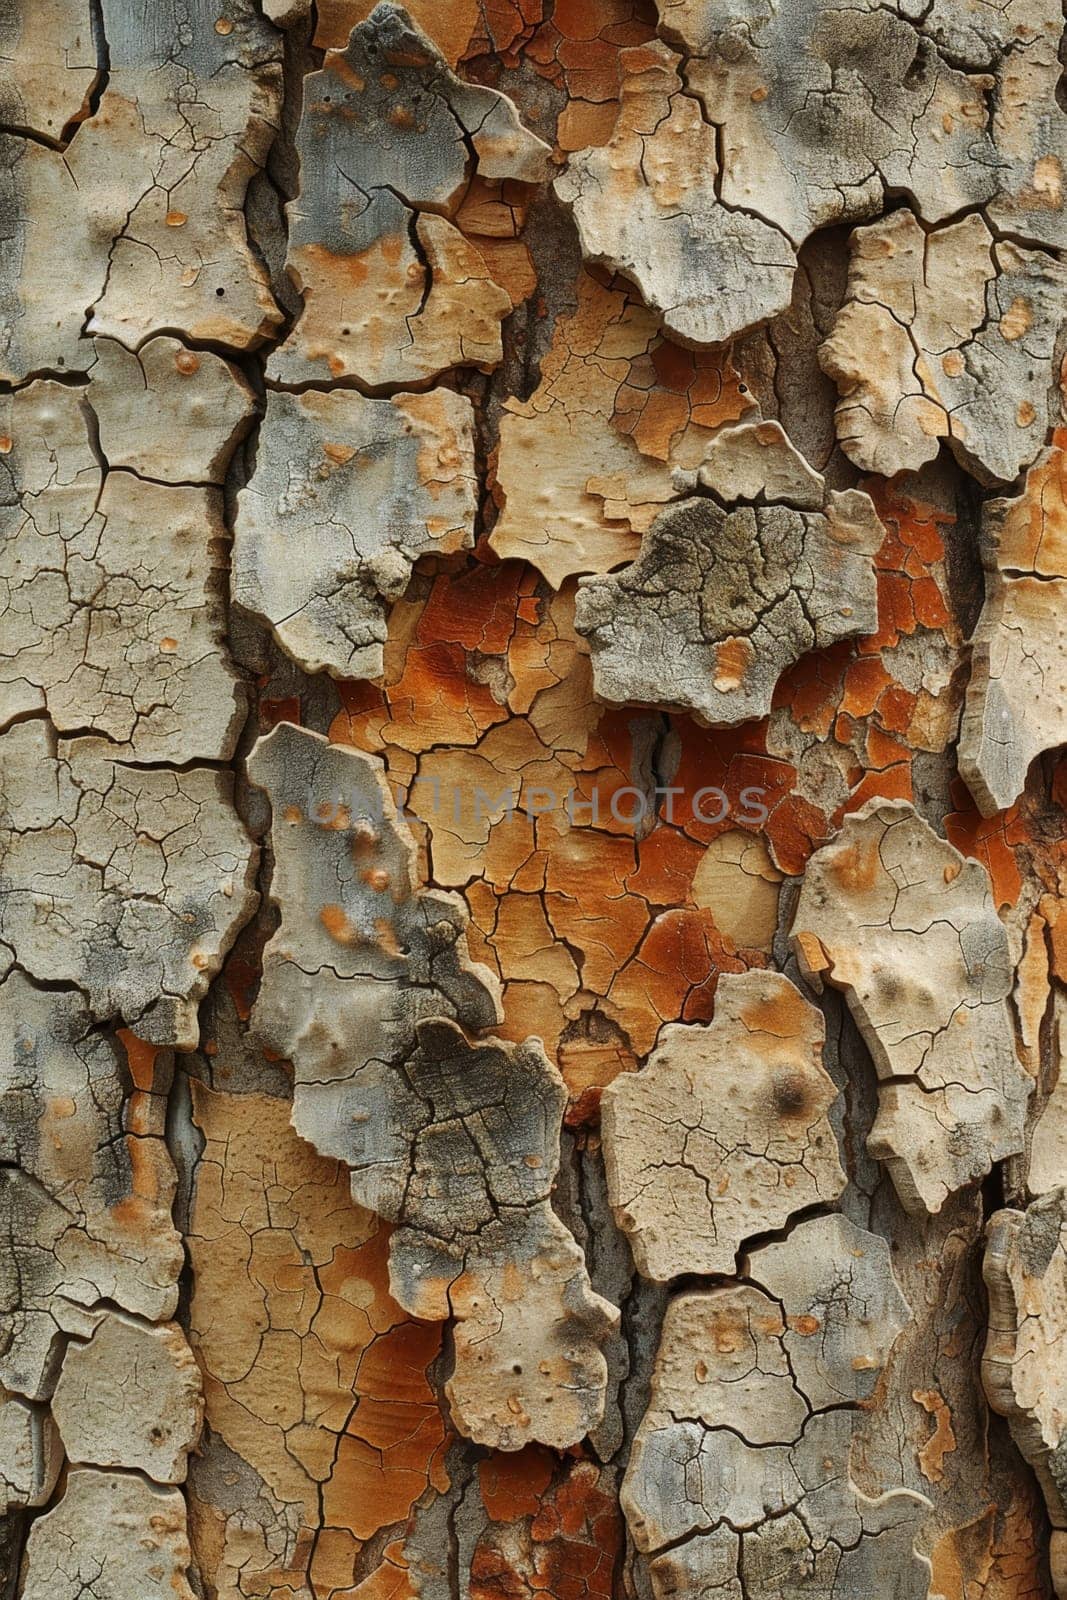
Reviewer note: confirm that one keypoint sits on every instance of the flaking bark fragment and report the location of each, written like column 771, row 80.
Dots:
column 899, row 920
column 389, row 141
column 128, row 883
column 724, row 1134
column 48, row 65
column 151, row 191
column 646, row 206
column 1025, row 1270
column 347, row 494
column 1018, row 685
column 719, row 603
column 130, row 1397
column 368, row 991
column 589, row 460
column 72, row 1551
column 945, row 335
column 739, row 1483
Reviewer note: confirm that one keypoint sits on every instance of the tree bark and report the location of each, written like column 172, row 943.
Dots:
column 531, row 834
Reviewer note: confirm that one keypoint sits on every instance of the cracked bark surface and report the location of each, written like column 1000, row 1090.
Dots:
column 739, row 1482
column 389, row 143
column 48, row 67
column 767, row 126
column 531, row 832
column 1016, row 689
column 1025, row 1269
column 151, row 191
column 719, row 602
column 646, row 206
column 587, row 461
column 72, row 1550
column 127, row 883
column 347, row 495
column 114, row 604
column 881, row 909
column 724, row 1134
column 946, row 334
column 457, row 1143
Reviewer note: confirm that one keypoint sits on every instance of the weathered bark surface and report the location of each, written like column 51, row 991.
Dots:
column 533, row 580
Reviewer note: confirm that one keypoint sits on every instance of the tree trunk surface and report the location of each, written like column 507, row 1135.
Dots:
column 533, row 672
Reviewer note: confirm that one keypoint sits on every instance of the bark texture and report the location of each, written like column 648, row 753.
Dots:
column 533, row 601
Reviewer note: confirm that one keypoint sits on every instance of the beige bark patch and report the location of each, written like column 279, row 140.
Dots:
column 130, row 1397
column 347, row 494
column 151, row 193
column 906, row 926
column 738, row 883
column 168, row 412
column 645, row 205
column 724, row 1133
column 1018, row 688
column 741, row 1464
column 757, row 461
column 932, row 344
column 112, row 586
column 1025, row 1271
column 130, row 883
column 48, row 65
column 591, row 457
column 111, row 1533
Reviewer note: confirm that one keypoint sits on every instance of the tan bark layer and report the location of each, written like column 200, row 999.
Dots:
column 531, row 840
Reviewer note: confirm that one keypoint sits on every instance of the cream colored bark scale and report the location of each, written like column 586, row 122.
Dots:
column 389, row 140
column 724, row 1134
column 110, row 1534
column 757, row 461
column 739, row 1482
column 646, row 206
column 738, row 883
column 906, row 926
column 1017, row 694
column 946, row 335
column 578, row 480
column 130, row 884
column 130, row 1397
column 347, row 494
column 168, row 412
column 151, row 193
column 113, row 591
column 1025, row 1270
column 48, row 65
